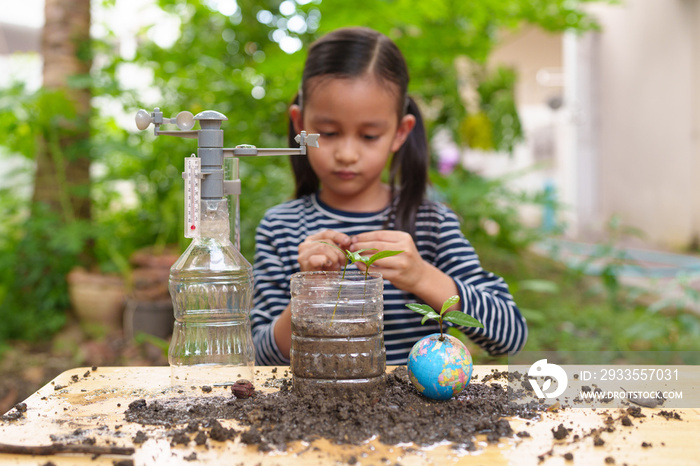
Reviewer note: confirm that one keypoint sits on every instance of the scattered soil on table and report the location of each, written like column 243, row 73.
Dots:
column 398, row 414
column 560, row 432
column 670, row 415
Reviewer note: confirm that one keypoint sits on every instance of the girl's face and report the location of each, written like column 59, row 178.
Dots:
column 356, row 118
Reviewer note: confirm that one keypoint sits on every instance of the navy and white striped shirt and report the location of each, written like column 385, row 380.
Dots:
column 439, row 241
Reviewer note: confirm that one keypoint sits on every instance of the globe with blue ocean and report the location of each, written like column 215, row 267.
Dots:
column 439, row 367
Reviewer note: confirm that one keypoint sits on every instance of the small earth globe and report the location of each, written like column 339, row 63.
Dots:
column 439, row 369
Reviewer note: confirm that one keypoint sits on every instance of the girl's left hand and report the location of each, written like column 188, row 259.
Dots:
column 404, row 270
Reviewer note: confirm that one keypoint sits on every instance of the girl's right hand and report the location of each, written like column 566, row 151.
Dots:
column 314, row 255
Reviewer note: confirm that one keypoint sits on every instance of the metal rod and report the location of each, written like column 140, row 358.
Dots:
column 254, row 151
column 181, row 134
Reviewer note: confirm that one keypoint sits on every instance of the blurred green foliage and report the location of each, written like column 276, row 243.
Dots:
column 567, row 310
column 488, row 208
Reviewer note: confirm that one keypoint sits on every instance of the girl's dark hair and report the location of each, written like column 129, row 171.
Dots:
column 350, row 53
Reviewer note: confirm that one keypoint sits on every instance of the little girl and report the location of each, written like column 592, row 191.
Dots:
column 354, row 94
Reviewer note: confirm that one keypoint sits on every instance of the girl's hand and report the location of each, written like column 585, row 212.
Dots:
column 314, row 255
column 404, row 270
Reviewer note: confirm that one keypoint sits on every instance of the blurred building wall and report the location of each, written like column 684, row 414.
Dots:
column 626, row 140
column 645, row 95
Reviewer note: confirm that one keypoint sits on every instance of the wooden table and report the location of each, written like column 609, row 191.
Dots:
column 95, row 402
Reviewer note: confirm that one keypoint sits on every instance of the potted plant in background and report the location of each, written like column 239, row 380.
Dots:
column 149, row 308
column 98, row 291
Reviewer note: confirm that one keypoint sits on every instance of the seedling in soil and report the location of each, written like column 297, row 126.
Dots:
column 356, row 256
column 454, row 317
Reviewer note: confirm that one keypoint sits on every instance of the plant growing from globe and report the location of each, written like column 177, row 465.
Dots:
column 439, row 365
column 455, row 317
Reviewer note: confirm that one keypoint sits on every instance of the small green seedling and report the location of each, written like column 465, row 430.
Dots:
column 455, row 317
column 356, row 256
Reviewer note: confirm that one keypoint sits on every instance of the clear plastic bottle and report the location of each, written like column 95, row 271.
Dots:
column 211, row 286
column 337, row 331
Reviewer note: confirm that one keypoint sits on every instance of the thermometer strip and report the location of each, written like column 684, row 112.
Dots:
column 193, row 185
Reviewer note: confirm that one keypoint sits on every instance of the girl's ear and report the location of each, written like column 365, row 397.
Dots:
column 405, row 126
column 295, row 117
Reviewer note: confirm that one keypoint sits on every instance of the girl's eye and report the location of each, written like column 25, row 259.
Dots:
column 370, row 137
column 328, row 134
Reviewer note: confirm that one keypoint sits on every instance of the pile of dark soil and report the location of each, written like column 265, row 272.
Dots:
column 397, row 414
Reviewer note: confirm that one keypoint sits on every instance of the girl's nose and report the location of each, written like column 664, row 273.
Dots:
column 347, row 152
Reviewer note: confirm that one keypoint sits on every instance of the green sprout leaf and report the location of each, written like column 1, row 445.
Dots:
column 421, row 308
column 454, row 317
column 381, row 255
column 460, row 318
column 451, row 301
column 358, row 257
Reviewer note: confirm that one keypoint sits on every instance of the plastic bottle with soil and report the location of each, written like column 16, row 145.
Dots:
column 337, row 331
column 211, row 285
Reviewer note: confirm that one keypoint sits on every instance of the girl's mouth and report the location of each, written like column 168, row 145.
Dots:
column 345, row 174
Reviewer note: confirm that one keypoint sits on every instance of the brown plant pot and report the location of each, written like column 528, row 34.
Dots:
column 97, row 298
column 154, row 317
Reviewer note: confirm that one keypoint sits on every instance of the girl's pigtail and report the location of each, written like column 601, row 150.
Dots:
column 410, row 165
column 304, row 176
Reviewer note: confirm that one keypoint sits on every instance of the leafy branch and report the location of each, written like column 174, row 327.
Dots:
column 455, row 317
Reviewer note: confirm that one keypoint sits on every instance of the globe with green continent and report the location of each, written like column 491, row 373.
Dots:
column 440, row 367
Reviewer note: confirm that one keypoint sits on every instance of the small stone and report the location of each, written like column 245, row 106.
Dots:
column 242, row 389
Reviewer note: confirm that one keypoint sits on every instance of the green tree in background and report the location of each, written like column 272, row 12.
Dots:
column 52, row 129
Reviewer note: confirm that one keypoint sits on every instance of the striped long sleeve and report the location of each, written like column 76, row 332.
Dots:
column 440, row 242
